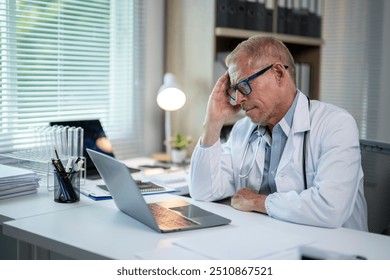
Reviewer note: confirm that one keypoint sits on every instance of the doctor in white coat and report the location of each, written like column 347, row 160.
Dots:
column 295, row 159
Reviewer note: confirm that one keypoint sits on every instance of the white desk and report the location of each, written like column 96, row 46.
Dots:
column 32, row 205
column 43, row 203
column 35, row 204
column 100, row 231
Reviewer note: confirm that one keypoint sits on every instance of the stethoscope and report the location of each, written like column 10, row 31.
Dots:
column 256, row 134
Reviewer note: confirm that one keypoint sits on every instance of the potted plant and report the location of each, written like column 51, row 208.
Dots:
column 179, row 145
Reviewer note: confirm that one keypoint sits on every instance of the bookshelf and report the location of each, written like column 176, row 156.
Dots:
column 192, row 43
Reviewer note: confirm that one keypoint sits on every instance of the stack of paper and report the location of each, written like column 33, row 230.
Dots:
column 16, row 181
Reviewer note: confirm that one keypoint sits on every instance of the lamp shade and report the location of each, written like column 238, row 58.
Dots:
column 170, row 98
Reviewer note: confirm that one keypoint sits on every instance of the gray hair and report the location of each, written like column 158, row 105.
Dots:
column 263, row 50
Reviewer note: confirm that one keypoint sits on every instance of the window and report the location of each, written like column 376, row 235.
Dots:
column 355, row 63
column 69, row 60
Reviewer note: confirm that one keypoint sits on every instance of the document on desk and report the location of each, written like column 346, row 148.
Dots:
column 99, row 191
column 177, row 179
column 15, row 181
column 238, row 243
column 94, row 192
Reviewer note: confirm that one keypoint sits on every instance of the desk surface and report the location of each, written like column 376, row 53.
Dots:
column 35, row 204
column 100, row 231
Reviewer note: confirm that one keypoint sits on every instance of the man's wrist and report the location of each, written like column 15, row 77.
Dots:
column 260, row 204
column 211, row 134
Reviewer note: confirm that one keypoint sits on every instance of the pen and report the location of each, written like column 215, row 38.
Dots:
column 68, row 167
column 64, row 180
column 79, row 164
column 55, row 151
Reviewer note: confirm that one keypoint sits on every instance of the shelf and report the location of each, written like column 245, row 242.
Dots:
column 194, row 63
column 289, row 39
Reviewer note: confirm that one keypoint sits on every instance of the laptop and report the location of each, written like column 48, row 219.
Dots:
column 166, row 216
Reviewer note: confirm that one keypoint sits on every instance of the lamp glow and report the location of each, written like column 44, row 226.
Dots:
column 170, row 98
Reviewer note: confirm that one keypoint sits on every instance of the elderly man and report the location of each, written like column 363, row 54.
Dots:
column 295, row 159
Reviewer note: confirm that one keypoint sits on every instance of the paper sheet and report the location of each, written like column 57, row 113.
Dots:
column 255, row 242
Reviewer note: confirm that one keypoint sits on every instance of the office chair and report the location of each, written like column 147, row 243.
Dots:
column 376, row 167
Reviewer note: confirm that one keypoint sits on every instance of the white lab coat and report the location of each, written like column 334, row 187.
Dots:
column 335, row 195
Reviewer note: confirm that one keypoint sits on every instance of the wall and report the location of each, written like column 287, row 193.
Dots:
column 154, row 51
column 384, row 100
column 190, row 56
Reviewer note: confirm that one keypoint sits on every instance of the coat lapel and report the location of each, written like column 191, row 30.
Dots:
column 301, row 123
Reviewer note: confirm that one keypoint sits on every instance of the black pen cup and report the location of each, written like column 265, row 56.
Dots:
column 67, row 187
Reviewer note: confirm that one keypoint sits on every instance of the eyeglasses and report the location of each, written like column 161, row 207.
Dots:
column 243, row 86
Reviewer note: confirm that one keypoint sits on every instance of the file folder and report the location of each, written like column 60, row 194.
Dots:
column 260, row 15
column 289, row 17
column 236, row 14
column 282, row 16
column 251, row 14
column 318, row 19
column 222, row 13
column 312, row 19
column 304, row 18
column 296, row 24
column 269, row 15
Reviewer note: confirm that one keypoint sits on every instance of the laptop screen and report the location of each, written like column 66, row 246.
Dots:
column 94, row 139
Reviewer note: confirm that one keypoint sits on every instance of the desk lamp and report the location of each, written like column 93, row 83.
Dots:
column 170, row 98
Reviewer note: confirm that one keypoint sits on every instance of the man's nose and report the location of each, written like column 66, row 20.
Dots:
column 240, row 98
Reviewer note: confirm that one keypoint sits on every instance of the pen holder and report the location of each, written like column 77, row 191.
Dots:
column 67, row 187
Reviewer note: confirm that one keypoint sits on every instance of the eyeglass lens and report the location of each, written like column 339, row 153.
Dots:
column 242, row 87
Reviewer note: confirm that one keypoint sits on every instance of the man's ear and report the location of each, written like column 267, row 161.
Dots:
column 278, row 68
column 279, row 71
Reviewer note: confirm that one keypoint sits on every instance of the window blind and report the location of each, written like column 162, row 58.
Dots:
column 353, row 56
column 71, row 60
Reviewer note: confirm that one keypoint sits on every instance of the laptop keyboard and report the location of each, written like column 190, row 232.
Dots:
column 147, row 187
column 168, row 219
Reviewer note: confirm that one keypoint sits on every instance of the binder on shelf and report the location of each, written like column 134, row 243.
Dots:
column 260, row 15
column 318, row 18
column 296, row 17
column 251, row 14
column 222, row 13
column 282, row 16
column 304, row 18
column 241, row 14
column 289, row 17
column 312, row 19
column 269, row 14
column 236, row 14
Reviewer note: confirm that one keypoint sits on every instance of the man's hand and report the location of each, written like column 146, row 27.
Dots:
column 219, row 110
column 248, row 200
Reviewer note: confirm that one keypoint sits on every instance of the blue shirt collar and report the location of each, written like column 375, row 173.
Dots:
column 287, row 121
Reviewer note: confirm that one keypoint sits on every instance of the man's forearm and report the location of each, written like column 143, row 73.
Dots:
column 211, row 134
